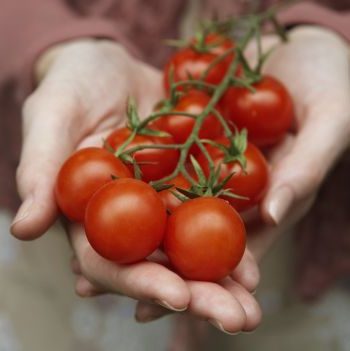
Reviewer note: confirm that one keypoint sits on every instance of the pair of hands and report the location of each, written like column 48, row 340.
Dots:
column 81, row 97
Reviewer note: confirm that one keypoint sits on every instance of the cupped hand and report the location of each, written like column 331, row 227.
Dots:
column 314, row 65
column 229, row 305
column 80, row 99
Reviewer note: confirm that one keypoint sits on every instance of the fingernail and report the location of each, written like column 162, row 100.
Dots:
column 169, row 307
column 219, row 326
column 23, row 211
column 281, row 201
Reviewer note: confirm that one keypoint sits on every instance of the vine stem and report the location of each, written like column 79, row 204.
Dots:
column 221, row 119
column 216, row 61
column 153, row 146
column 157, row 115
column 219, row 91
column 131, row 137
column 190, row 82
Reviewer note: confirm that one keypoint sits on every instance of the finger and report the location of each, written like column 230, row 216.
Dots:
column 75, row 266
column 148, row 281
column 84, row 288
column 209, row 301
column 247, row 301
column 48, row 138
column 299, row 174
column 215, row 304
column 247, row 272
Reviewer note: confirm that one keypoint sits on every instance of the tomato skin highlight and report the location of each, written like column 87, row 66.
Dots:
column 180, row 127
column 267, row 114
column 251, row 184
column 125, row 221
column 82, row 174
column 154, row 163
column 170, row 201
column 188, row 62
column 205, row 239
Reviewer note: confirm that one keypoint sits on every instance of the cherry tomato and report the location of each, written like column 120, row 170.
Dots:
column 154, row 163
column 125, row 220
column 81, row 175
column 251, row 183
column 266, row 113
column 170, row 201
column 191, row 63
column 180, row 127
column 205, row 239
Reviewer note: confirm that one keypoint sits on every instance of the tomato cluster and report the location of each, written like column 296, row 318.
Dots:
column 178, row 179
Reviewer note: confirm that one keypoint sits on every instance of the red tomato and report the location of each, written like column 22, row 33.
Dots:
column 252, row 183
column 154, row 163
column 189, row 62
column 267, row 113
column 81, row 175
column 180, row 127
column 125, row 220
column 170, row 201
column 205, row 239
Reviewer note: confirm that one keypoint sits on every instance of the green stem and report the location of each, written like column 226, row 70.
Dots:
column 152, row 146
column 215, row 62
column 191, row 82
column 207, row 156
column 157, row 115
column 221, row 119
column 126, row 143
column 219, row 91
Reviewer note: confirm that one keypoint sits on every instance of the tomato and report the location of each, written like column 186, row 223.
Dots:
column 81, row 175
column 154, row 163
column 205, row 239
column 170, row 201
column 251, row 183
column 267, row 113
column 125, row 220
column 190, row 63
column 180, row 127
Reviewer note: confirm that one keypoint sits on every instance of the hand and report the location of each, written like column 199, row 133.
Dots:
column 80, row 99
column 228, row 305
column 315, row 67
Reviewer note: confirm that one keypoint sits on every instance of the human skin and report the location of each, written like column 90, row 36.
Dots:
column 315, row 67
column 81, row 96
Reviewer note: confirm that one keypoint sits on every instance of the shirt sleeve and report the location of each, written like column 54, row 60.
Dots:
column 312, row 13
column 27, row 28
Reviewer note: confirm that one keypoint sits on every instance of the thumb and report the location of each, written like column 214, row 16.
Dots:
column 297, row 176
column 48, row 138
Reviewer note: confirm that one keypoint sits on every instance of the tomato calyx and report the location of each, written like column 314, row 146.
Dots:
column 135, row 125
column 234, row 151
column 206, row 186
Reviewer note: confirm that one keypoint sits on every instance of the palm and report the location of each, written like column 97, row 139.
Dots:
column 312, row 66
